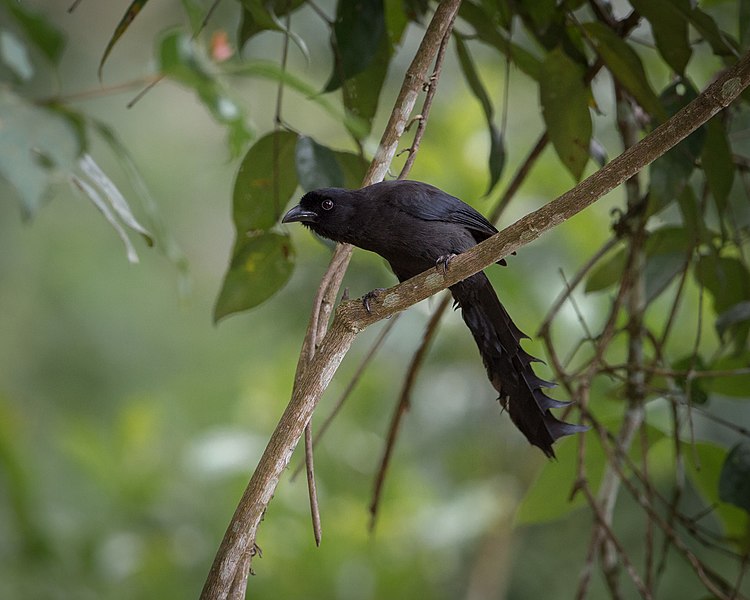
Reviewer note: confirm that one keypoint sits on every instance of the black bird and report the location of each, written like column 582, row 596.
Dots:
column 415, row 227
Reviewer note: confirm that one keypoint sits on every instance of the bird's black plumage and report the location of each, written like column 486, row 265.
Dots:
column 415, row 226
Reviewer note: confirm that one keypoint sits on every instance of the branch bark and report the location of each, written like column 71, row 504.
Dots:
column 231, row 567
column 229, row 571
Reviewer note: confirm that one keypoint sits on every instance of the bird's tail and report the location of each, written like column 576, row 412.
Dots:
column 509, row 366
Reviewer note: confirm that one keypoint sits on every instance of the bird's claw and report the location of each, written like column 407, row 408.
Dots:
column 371, row 295
column 443, row 262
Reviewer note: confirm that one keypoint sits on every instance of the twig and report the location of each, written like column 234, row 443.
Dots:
column 403, row 405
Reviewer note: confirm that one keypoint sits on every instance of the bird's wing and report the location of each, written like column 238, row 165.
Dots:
column 432, row 204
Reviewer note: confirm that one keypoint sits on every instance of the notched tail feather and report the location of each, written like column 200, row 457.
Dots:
column 509, row 366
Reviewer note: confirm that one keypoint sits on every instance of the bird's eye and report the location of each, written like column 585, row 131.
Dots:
column 327, row 204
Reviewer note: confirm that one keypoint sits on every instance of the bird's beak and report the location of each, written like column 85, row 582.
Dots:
column 299, row 214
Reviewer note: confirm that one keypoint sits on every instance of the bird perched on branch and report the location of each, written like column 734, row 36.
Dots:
column 415, row 227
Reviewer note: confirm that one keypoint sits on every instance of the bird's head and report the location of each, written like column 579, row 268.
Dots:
column 328, row 212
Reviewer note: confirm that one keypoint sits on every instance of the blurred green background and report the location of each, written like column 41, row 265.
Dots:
column 130, row 424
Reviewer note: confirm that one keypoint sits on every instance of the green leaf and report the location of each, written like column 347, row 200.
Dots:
column 486, row 31
column 497, row 143
column 704, row 472
column 738, row 313
column 396, row 20
column 38, row 30
column 721, row 42
column 130, row 14
column 264, row 15
column 728, row 281
column 736, row 386
column 37, row 145
column 698, row 394
column 717, row 163
column 608, row 272
column 272, row 71
column 625, row 66
column 264, row 183
column 565, row 107
column 670, row 29
column 353, row 166
column 361, row 92
column 357, row 34
column 14, row 54
column 182, row 60
column 734, row 480
column 317, row 166
column 548, row 498
column 743, row 21
column 667, row 252
column 669, row 174
column 261, row 264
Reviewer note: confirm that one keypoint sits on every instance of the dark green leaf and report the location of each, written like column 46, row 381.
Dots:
column 669, row 174
column 264, row 15
column 670, row 29
column 608, row 272
column 265, row 181
column 739, row 313
column 489, row 34
column 721, row 43
column 625, row 66
column 698, row 393
column 261, row 264
column 317, row 166
column 130, row 14
column 735, row 385
column 565, row 107
column 361, row 92
column 38, row 30
column 35, row 145
column 692, row 218
column 744, row 25
column 734, row 480
column 704, row 464
column 717, row 163
column 728, row 282
column 667, row 252
column 353, row 167
column 497, row 142
column 357, row 35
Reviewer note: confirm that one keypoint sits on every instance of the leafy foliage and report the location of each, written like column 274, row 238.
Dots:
column 665, row 316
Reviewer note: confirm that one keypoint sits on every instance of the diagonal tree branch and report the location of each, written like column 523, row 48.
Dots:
column 231, row 567
column 229, row 570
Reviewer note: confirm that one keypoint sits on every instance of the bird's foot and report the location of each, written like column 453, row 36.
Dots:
column 369, row 296
column 443, row 262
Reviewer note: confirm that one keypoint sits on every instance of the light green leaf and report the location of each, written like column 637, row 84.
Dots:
column 13, row 53
column 37, row 146
column 565, row 107
column 736, row 386
column 704, row 472
column 38, row 30
column 608, row 272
